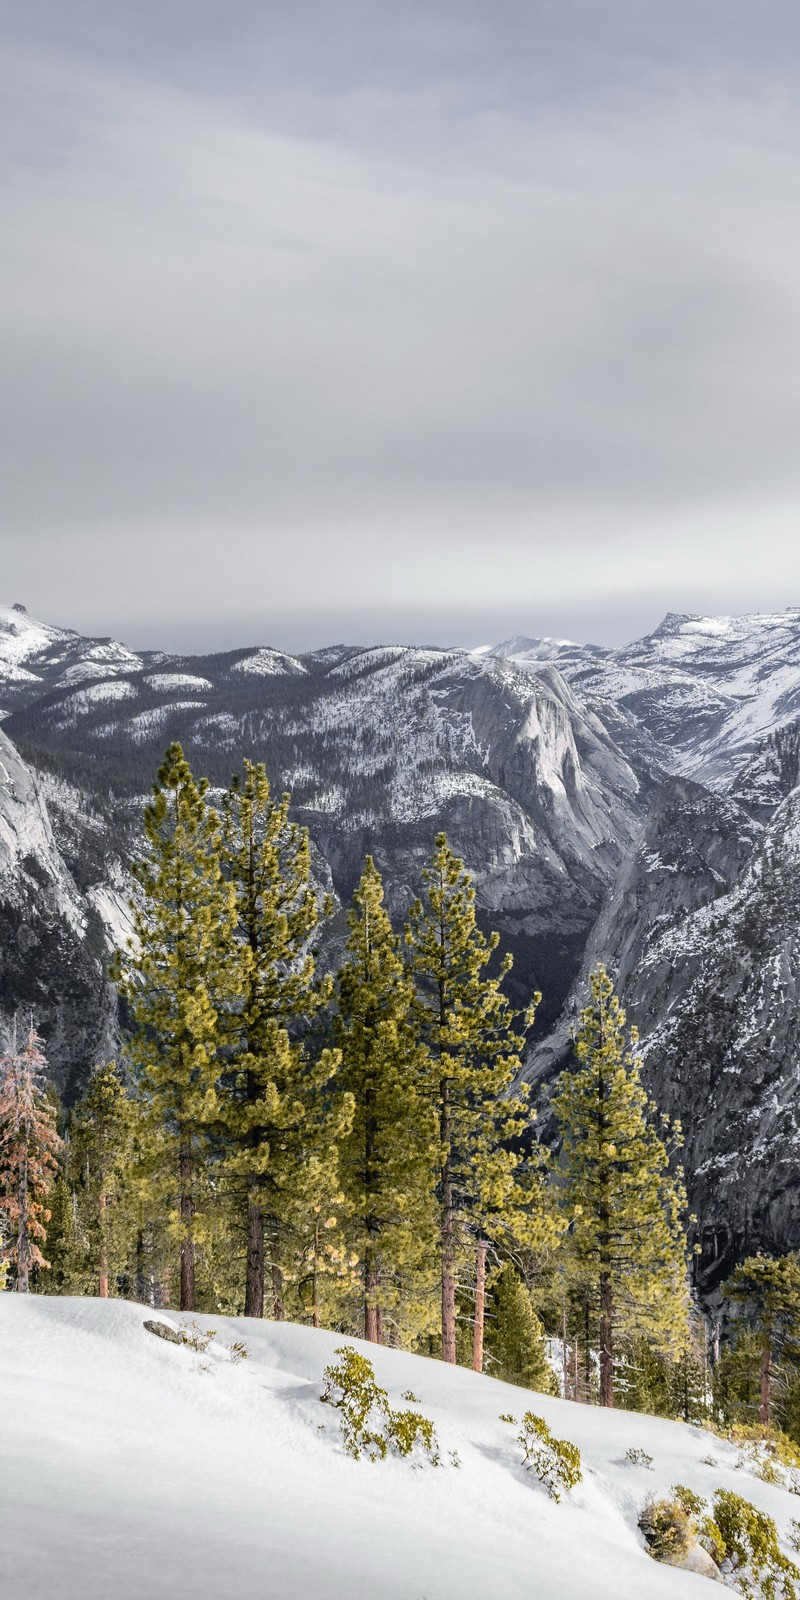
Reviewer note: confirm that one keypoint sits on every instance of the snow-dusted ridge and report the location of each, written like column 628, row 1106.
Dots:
column 131, row 1467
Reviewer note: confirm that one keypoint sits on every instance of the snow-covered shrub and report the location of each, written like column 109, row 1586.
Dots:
column 692, row 1503
column 639, row 1458
column 668, row 1529
column 369, row 1425
column 768, row 1454
column 556, row 1462
column 749, row 1551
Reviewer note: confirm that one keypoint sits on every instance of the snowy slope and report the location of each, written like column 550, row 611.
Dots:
column 128, row 1470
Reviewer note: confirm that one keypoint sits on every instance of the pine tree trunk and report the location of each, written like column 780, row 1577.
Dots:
column 254, row 1283
column 141, row 1281
column 447, row 1237
column 372, row 1314
column 606, row 1341
column 765, row 1406
column 187, row 1242
column 480, row 1307
column 102, row 1265
column 277, row 1293
column 23, row 1241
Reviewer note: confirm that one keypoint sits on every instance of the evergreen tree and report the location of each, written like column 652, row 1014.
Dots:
column 484, row 1185
column 100, row 1159
column 29, row 1145
column 768, row 1291
column 271, row 1087
column 388, row 1158
column 178, row 974
column 623, row 1204
column 67, row 1251
column 515, row 1338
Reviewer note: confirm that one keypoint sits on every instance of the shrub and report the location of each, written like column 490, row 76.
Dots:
column 693, row 1504
column 556, row 1462
column 369, row 1425
column 639, row 1458
column 768, row 1454
column 750, row 1552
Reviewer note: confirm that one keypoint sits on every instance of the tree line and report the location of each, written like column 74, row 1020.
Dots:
column 354, row 1150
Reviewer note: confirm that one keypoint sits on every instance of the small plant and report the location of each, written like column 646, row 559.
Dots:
column 196, row 1337
column 408, row 1394
column 455, row 1459
column 749, row 1551
column 639, row 1458
column 768, row 1454
column 668, row 1530
column 506, row 1416
column 710, row 1461
column 556, row 1462
column 793, row 1539
column 693, row 1504
column 407, row 1429
column 369, row 1425
column 239, row 1352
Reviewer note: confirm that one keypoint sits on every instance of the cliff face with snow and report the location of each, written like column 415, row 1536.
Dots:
column 639, row 807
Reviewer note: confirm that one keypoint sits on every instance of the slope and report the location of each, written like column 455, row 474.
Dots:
column 132, row 1466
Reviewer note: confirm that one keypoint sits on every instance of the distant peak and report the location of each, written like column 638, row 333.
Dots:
column 18, row 607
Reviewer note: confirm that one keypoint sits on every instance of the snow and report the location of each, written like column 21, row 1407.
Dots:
column 131, row 1467
column 176, row 680
column 266, row 663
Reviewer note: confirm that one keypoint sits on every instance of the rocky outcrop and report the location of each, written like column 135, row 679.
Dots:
column 52, row 950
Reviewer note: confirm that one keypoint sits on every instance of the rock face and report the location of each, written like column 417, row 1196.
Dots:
column 706, row 689
column 702, row 932
column 52, row 950
column 381, row 749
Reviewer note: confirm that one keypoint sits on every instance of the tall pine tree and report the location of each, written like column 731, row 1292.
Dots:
column 618, row 1194
column 101, row 1130
column 272, row 1089
column 178, row 974
column 29, row 1146
column 768, row 1292
column 388, row 1158
column 471, row 1032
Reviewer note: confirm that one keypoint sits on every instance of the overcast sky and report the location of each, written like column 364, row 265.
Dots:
column 438, row 321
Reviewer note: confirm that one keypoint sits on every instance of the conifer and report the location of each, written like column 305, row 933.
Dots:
column 272, row 1090
column 515, row 1338
column 388, row 1158
column 622, row 1201
column 29, row 1146
column 484, row 1185
column 177, row 974
column 768, row 1290
column 100, row 1159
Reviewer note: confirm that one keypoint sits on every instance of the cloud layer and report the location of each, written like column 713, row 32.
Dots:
column 365, row 328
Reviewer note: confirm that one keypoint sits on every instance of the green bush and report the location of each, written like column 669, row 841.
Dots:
column 556, row 1462
column 750, row 1553
column 369, row 1425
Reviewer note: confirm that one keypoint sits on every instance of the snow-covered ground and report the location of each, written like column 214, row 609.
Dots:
column 134, row 1468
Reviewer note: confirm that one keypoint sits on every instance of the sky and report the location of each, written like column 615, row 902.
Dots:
column 332, row 320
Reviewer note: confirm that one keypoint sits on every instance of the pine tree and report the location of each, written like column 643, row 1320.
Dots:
column 178, row 974
column 515, row 1338
column 388, row 1158
column 271, row 1087
column 29, row 1146
column 769, row 1293
column 100, row 1159
column 623, row 1203
column 484, row 1185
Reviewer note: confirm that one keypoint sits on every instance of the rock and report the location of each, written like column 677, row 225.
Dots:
column 162, row 1330
column 698, row 1560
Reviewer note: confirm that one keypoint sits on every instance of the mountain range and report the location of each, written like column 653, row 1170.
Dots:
column 638, row 806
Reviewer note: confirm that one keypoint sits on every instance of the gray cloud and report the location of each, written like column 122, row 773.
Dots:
column 369, row 321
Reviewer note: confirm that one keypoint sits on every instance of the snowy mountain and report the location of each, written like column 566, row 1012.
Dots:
column 133, row 1466
column 567, row 776
column 707, row 689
